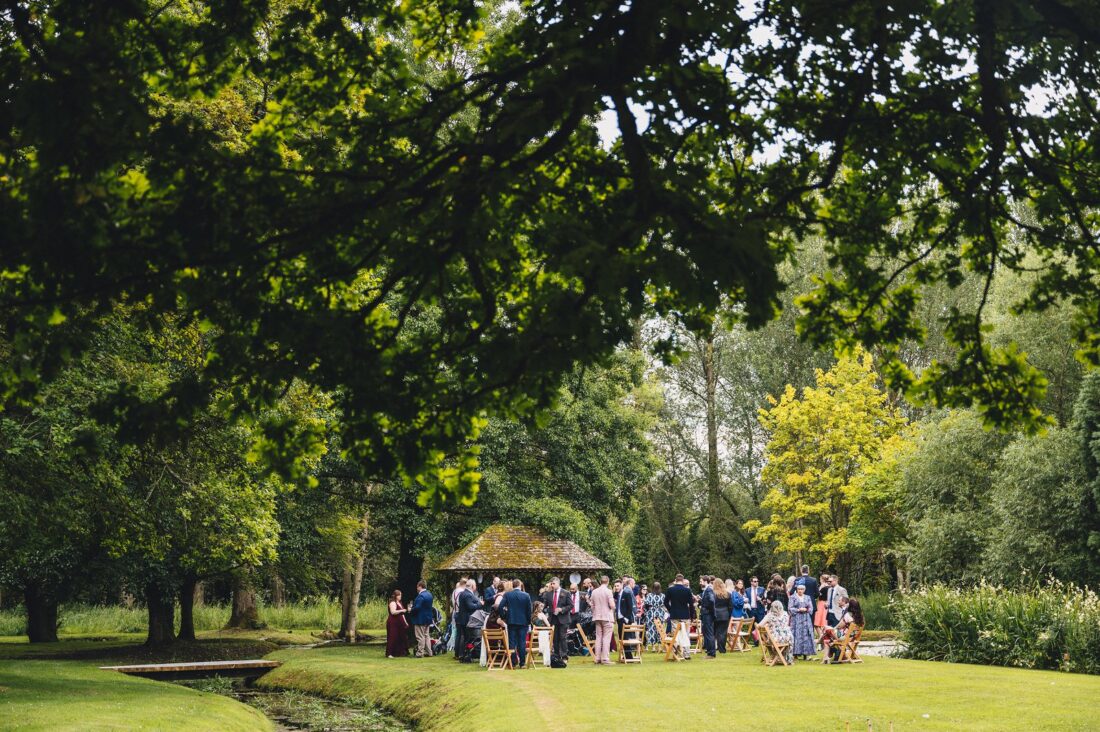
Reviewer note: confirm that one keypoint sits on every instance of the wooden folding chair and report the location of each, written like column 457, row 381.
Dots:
column 667, row 641
column 740, row 634
column 587, row 644
column 533, row 644
column 695, row 635
column 771, row 651
column 631, row 637
column 849, row 645
column 497, row 653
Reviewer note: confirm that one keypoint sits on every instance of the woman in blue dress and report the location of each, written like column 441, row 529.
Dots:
column 653, row 608
column 802, row 623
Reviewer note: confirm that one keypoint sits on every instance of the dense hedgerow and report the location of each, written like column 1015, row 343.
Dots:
column 307, row 614
column 1052, row 627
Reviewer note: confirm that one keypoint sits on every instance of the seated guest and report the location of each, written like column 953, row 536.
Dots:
column 778, row 624
column 851, row 614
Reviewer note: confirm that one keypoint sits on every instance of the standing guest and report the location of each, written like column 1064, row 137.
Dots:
column 420, row 615
column 491, row 591
column 679, row 602
column 706, row 615
column 603, row 614
column 777, row 591
column 580, row 599
column 654, row 616
column 452, row 643
column 625, row 609
column 809, row 582
column 559, row 606
column 801, row 611
column 821, row 617
column 836, row 592
column 467, row 604
column 516, row 611
column 397, row 628
column 754, row 600
column 737, row 600
column 505, row 587
column 790, row 586
column 723, row 610
column 639, row 604
column 778, row 624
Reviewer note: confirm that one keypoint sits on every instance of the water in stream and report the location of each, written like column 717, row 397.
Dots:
column 292, row 710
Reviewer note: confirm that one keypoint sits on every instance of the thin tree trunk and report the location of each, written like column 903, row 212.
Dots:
column 246, row 614
column 187, row 605
column 345, row 600
column 199, row 598
column 278, row 591
column 710, row 376
column 41, row 609
column 161, row 620
column 353, row 579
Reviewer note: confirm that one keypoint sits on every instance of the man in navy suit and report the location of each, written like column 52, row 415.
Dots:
column 706, row 615
column 558, row 605
column 754, row 600
column 420, row 617
column 809, row 582
column 515, row 608
column 491, row 592
column 467, row 604
column 679, row 602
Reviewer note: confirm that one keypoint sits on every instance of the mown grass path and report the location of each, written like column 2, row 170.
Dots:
column 439, row 694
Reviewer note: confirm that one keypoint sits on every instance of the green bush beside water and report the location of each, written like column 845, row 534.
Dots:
column 1055, row 627
column 313, row 614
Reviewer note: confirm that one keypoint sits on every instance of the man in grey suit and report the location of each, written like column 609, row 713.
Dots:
column 832, row 602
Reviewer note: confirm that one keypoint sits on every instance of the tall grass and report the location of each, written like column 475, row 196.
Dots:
column 1054, row 627
column 309, row 614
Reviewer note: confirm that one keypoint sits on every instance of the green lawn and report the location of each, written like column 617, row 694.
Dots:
column 75, row 695
column 439, row 694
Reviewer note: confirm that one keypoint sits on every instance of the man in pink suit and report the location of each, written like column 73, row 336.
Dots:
column 603, row 613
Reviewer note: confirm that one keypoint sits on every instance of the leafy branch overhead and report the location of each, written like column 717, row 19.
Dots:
column 410, row 206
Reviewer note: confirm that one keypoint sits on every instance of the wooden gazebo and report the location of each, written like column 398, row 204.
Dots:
column 523, row 552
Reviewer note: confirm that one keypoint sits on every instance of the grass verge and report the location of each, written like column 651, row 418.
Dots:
column 75, row 695
column 439, row 694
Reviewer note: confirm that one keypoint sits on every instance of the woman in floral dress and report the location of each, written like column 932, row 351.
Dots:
column 802, row 628
column 778, row 624
column 654, row 617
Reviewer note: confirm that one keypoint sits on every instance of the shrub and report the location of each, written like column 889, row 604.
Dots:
column 1053, row 627
column 877, row 610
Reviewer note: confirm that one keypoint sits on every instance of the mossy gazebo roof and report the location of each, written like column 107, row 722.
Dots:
column 520, row 549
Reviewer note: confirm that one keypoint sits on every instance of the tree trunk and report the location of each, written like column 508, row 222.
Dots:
column 187, row 605
column 199, row 597
column 278, row 591
column 41, row 609
column 246, row 614
column 353, row 584
column 410, row 567
column 161, row 616
column 710, row 376
column 345, row 600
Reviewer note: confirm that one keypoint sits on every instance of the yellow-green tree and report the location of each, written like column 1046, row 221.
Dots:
column 818, row 442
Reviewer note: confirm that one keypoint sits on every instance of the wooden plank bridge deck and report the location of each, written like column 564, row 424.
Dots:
column 251, row 668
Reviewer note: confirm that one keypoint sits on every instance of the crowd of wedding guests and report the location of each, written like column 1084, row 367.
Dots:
column 802, row 613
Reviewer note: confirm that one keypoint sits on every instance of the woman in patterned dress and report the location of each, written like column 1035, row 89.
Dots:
column 778, row 624
column 802, row 629
column 654, row 617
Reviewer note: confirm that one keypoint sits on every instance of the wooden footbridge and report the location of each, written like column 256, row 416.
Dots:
column 249, row 669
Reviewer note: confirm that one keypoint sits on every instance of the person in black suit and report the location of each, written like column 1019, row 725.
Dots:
column 516, row 609
column 468, row 602
column 812, row 589
column 679, row 601
column 706, row 615
column 625, row 608
column 559, row 606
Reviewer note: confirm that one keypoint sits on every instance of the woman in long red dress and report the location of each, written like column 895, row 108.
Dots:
column 397, row 628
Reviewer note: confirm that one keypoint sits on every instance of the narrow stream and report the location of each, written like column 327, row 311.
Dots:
column 293, row 710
